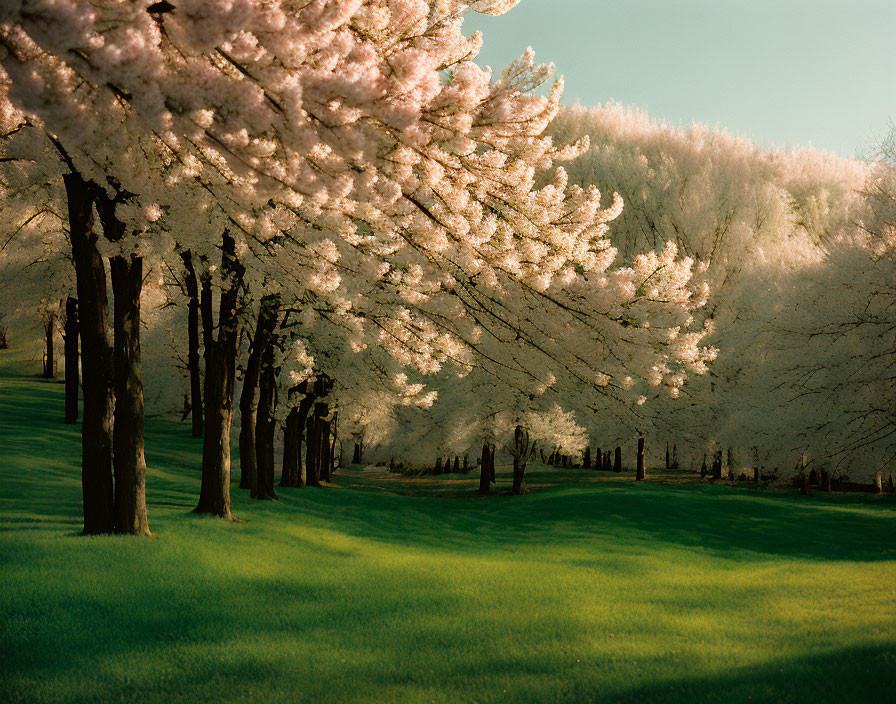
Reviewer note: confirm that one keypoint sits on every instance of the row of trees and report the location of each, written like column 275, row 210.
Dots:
column 345, row 201
column 796, row 249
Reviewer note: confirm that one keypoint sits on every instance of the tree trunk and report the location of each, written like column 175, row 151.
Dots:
column 207, row 316
column 879, row 483
column 317, row 456
column 519, row 476
column 96, row 359
column 703, row 467
column 264, row 328
column 484, row 470
column 72, row 374
column 598, row 459
column 192, row 284
column 128, row 460
column 617, row 460
column 756, row 475
column 323, row 454
column 456, row 464
column 521, row 450
column 356, row 455
column 249, row 410
column 334, row 430
column 50, row 351
column 312, row 446
column 266, row 424
column 291, row 467
column 438, row 467
column 668, row 458
column 717, row 465
column 674, row 456
column 641, row 470
column 586, row 460
column 292, row 439
column 466, row 463
column 4, row 343
column 220, row 378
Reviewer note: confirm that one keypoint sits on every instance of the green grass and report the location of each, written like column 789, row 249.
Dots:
column 415, row 590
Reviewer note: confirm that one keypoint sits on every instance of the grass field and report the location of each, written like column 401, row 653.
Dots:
column 589, row 588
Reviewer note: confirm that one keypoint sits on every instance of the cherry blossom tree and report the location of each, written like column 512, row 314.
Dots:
column 375, row 166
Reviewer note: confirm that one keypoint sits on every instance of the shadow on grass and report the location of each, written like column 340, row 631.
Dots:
column 585, row 589
column 843, row 675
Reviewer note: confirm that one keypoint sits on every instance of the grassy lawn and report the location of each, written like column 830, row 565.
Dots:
column 589, row 588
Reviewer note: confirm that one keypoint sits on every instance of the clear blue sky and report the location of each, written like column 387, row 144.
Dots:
column 785, row 72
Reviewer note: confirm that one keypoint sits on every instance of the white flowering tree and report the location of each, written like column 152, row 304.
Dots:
column 753, row 218
column 324, row 133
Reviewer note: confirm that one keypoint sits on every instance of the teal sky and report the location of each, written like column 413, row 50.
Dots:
column 785, row 72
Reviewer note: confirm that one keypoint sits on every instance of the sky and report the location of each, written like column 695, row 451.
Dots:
column 818, row 73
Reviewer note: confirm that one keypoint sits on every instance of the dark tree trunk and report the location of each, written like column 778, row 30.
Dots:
column 96, row 359
column 207, row 316
column 292, row 439
column 641, row 470
column 485, row 474
column 598, row 459
column 522, row 448
column 72, row 375
column 668, row 458
column 756, row 475
column 466, row 463
column 4, row 343
column 586, row 460
column 249, row 410
column 438, row 467
column 220, row 378
column 717, row 465
column 608, row 466
column 356, row 455
column 519, row 476
column 804, row 484
column 703, row 467
column 334, row 430
column 266, row 424
column 674, row 456
column 264, row 328
column 317, row 459
column 326, row 448
column 192, row 285
column 617, row 460
column 50, row 351
column 291, row 468
column 128, row 458
column 456, row 464
column 312, row 446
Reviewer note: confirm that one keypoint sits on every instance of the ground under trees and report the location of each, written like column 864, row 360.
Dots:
column 588, row 588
